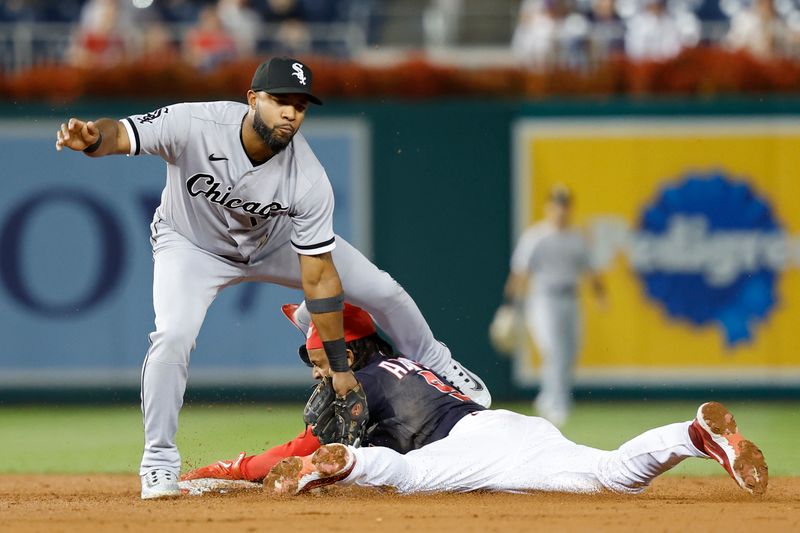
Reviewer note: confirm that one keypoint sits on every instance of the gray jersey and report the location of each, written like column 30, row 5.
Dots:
column 218, row 199
column 556, row 258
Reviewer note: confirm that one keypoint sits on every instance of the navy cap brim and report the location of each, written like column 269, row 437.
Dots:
column 303, row 353
column 293, row 90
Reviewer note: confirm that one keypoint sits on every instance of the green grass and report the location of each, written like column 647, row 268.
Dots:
column 109, row 439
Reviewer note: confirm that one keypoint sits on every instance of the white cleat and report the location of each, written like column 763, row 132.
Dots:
column 722, row 441
column 160, row 483
column 468, row 383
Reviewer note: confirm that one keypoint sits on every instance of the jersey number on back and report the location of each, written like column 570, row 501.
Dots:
column 437, row 383
column 403, row 366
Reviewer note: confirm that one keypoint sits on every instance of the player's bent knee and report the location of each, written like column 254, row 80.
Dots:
column 172, row 346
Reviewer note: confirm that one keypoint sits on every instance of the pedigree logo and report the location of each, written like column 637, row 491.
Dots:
column 707, row 249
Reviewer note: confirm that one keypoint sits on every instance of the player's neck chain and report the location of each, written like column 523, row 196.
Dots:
column 206, row 185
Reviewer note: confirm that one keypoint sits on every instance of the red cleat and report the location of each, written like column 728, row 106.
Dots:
column 220, row 470
column 722, row 441
column 296, row 475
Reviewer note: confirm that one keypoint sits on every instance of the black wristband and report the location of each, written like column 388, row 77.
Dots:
column 94, row 146
column 333, row 304
column 337, row 355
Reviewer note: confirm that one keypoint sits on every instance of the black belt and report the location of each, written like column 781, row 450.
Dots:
column 563, row 290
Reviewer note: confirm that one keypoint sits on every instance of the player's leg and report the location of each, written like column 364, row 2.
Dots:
column 563, row 465
column 505, row 451
column 367, row 286
column 185, row 282
column 634, row 465
column 564, row 353
column 541, row 318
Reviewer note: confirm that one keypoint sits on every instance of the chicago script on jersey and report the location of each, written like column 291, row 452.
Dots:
column 151, row 116
column 206, row 185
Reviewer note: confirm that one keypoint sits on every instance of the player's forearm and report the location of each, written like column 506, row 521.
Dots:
column 599, row 289
column 515, row 287
column 324, row 297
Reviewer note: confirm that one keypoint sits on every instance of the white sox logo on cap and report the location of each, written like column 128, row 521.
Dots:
column 298, row 71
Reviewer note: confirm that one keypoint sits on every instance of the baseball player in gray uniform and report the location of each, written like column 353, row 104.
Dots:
column 245, row 197
column 546, row 266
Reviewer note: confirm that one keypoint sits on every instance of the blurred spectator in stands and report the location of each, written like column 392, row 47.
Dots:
column 607, row 35
column 207, row 44
column 573, row 40
column 364, row 14
column 548, row 34
column 440, row 21
column 241, row 22
column 94, row 10
column 655, row 34
column 757, row 29
column 534, row 39
column 157, row 45
column 292, row 38
column 99, row 41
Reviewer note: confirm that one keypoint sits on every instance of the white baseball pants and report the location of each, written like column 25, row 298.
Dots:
column 186, row 279
column 504, row 451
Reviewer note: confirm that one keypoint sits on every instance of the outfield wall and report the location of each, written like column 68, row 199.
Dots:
column 435, row 192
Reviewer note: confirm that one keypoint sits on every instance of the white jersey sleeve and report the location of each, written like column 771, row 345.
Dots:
column 312, row 220
column 164, row 132
column 522, row 258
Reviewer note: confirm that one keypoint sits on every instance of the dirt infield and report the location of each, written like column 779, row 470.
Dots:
column 95, row 503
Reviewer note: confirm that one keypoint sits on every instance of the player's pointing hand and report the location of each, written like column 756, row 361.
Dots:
column 77, row 135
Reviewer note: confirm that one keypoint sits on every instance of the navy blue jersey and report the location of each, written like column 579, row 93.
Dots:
column 409, row 405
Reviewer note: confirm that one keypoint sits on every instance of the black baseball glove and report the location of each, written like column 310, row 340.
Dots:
column 334, row 419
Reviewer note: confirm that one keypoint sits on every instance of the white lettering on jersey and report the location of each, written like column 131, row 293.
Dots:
column 298, row 72
column 398, row 371
column 194, row 186
column 409, row 364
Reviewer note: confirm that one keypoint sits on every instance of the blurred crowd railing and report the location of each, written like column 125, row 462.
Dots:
column 412, row 48
column 27, row 45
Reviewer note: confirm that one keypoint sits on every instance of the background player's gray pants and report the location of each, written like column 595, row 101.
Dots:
column 186, row 279
column 554, row 324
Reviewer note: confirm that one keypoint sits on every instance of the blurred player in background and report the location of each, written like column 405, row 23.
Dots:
column 548, row 262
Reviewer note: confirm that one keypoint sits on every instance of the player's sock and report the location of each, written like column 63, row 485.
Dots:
column 256, row 467
column 697, row 440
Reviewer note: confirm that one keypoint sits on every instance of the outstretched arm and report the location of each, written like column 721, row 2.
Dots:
column 104, row 136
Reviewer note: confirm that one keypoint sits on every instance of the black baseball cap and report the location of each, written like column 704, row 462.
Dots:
column 284, row 75
column 561, row 195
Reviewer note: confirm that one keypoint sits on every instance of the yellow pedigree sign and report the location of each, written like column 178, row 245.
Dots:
column 695, row 227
